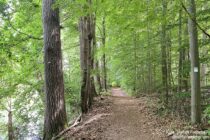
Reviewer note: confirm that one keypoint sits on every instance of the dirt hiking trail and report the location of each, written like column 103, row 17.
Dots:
column 120, row 117
column 130, row 121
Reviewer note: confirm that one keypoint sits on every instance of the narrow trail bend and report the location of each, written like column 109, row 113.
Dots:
column 129, row 120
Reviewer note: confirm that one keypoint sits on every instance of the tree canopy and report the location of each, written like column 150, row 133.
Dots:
column 141, row 46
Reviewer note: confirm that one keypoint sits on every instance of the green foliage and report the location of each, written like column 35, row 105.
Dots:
column 72, row 73
column 207, row 113
column 114, row 84
column 133, row 52
column 182, row 95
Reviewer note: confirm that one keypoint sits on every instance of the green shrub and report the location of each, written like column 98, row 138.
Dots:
column 114, row 84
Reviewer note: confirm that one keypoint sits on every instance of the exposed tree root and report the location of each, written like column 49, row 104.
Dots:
column 76, row 126
column 76, row 122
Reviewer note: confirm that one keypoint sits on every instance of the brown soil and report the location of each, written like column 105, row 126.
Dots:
column 128, row 118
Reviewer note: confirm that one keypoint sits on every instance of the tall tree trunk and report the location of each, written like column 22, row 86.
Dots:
column 170, row 75
column 89, row 63
column 181, row 53
column 186, row 72
column 93, row 46
column 104, row 55
column 84, row 52
column 195, row 65
column 164, row 54
column 135, row 60
column 183, row 74
column 87, row 34
column 90, row 82
column 96, row 62
column 55, row 111
column 10, row 127
column 11, row 135
column 98, row 79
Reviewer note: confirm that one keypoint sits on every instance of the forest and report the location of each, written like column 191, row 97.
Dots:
column 104, row 69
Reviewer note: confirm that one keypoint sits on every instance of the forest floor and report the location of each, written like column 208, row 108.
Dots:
column 120, row 117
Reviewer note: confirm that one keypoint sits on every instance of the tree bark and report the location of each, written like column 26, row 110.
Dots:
column 164, row 54
column 98, row 79
column 195, row 65
column 96, row 62
column 186, row 71
column 84, row 41
column 181, row 54
column 87, row 32
column 135, row 62
column 93, row 46
column 169, row 57
column 55, row 111
column 10, row 126
column 104, row 55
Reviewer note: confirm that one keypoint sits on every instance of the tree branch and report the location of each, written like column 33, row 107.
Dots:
column 202, row 29
column 28, row 35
